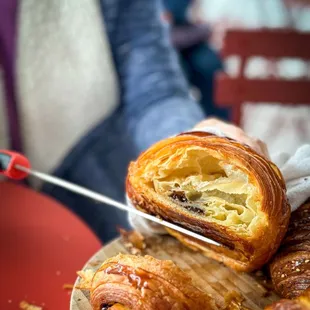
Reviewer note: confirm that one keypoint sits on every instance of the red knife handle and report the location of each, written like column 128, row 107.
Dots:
column 8, row 162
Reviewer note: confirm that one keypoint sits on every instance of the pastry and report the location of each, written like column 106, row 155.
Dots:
column 300, row 303
column 216, row 187
column 131, row 282
column 290, row 268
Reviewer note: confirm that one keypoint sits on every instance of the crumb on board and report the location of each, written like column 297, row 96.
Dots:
column 95, row 263
column 234, row 301
column 133, row 241
column 86, row 277
column 24, row 305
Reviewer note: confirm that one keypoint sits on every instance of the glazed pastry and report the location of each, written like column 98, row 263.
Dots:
column 131, row 282
column 218, row 188
column 290, row 269
column 300, row 303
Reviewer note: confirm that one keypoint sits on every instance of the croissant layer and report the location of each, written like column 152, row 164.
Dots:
column 290, row 268
column 145, row 283
column 218, row 188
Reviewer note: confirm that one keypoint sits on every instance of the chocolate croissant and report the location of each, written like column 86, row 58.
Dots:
column 290, row 269
column 300, row 303
column 131, row 282
column 216, row 187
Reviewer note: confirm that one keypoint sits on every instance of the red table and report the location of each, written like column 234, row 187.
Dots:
column 42, row 246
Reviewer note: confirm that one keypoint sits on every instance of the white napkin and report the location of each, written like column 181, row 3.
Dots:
column 142, row 225
column 295, row 170
column 296, row 173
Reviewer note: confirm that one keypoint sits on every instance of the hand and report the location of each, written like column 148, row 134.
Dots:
column 237, row 134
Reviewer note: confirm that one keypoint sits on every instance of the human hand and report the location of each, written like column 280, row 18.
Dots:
column 237, row 134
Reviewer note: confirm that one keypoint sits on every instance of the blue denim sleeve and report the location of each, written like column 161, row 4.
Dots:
column 156, row 98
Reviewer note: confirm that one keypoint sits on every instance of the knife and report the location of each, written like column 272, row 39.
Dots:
column 17, row 167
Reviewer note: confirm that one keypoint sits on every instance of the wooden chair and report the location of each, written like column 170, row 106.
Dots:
column 272, row 45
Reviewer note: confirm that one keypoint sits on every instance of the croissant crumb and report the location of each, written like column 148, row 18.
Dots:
column 68, row 286
column 133, row 241
column 234, row 301
column 24, row 305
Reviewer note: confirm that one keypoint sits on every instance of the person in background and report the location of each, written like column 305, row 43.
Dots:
column 86, row 86
column 199, row 61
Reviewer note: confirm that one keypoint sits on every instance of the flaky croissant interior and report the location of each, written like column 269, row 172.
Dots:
column 195, row 181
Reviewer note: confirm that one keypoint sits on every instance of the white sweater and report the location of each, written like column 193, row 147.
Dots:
column 65, row 77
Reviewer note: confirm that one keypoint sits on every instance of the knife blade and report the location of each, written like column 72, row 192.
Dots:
column 104, row 199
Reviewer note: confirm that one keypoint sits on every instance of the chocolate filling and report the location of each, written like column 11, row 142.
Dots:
column 178, row 196
column 194, row 209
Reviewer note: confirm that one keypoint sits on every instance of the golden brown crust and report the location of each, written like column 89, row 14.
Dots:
column 117, row 307
column 145, row 283
column 290, row 269
column 240, row 252
column 300, row 303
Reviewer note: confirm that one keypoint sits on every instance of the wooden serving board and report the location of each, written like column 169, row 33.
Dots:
column 210, row 276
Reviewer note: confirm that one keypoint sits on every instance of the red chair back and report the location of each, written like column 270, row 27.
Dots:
column 270, row 44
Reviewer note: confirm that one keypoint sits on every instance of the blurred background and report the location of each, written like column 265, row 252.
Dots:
column 85, row 86
column 274, row 122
